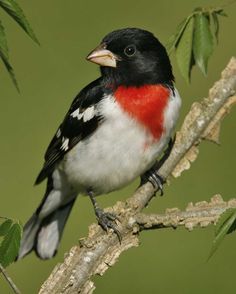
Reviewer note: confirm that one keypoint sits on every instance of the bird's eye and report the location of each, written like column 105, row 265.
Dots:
column 130, row 50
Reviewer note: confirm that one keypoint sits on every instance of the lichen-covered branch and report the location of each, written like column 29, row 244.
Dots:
column 200, row 214
column 99, row 250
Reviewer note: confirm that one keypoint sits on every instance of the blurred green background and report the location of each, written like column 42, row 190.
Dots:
column 49, row 77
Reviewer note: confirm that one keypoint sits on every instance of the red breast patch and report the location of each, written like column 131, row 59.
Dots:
column 146, row 104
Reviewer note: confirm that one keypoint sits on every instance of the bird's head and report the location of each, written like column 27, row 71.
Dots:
column 132, row 57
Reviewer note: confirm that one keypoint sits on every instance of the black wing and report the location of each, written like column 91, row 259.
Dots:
column 80, row 122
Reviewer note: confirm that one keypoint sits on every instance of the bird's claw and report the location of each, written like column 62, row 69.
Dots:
column 107, row 221
column 155, row 179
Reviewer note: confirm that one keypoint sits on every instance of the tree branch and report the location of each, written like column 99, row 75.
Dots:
column 201, row 214
column 99, row 250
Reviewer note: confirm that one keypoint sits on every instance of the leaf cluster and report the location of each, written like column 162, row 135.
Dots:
column 195, row 39
column 15, row 12
column 10, row 236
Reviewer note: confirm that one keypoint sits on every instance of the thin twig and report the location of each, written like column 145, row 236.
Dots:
column 9, row 280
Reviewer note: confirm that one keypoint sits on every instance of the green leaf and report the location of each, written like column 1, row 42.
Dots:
column 184, row 50
column 215, row 22
column 225, row 225
column 5, row 226
column 202, row 41
column 3, row 41
column 4, row 55
column 10, row 245
column 174, row 39
column 14, row 10
column 10, row 70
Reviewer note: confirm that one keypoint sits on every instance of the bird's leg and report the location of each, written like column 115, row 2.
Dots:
column 152, row 174
column 105, row 219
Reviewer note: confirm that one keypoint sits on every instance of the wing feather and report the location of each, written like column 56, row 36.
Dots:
column 80, row 122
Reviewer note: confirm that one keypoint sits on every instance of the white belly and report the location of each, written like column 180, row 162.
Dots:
column 116, row 153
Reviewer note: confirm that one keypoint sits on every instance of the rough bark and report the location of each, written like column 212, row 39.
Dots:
column 200, row 214
column 97, row 252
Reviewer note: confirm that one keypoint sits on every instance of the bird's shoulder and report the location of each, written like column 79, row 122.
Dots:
column 81, row 120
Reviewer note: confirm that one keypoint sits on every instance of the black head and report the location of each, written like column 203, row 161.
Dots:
column 133, row 57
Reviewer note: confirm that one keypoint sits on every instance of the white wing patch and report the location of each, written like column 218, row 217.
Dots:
column 58, row 134
column 77, row 114
column 88, row 114
column 65, row 144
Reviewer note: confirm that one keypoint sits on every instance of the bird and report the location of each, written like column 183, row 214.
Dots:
column 115, row 130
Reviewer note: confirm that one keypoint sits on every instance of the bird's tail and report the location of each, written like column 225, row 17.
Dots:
column 43, row 231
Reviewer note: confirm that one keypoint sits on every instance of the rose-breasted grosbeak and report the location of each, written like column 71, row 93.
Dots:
column 114, row 131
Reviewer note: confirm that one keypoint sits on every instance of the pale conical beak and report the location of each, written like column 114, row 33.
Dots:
column 100, row 55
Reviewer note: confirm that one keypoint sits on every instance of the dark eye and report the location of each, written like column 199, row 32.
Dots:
column 130, row 50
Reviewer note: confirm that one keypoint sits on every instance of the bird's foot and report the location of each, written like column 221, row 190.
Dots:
column 107, row 221
column 154, row 178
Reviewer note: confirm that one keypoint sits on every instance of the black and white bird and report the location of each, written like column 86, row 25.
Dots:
column 114, row 131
